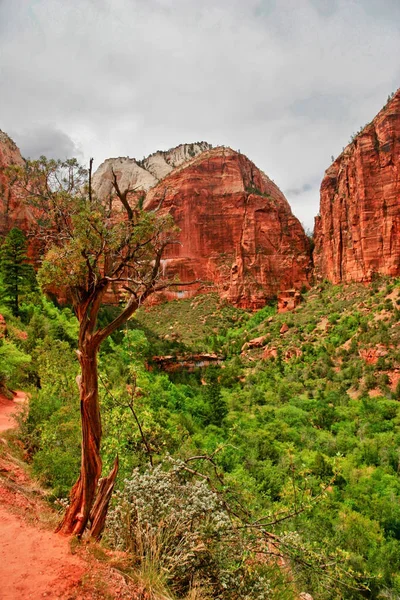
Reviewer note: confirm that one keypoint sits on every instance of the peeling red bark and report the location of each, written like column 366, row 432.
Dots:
column 83, row 492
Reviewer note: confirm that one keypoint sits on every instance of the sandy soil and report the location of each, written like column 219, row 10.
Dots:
column 35, row 563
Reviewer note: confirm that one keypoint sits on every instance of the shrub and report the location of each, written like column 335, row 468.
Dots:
column 177, row 528
column 12, row 363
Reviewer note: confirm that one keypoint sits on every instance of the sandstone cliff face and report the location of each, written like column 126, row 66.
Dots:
column 143, row 174
column 237, row 232
column 357, row 233
column 12, row 214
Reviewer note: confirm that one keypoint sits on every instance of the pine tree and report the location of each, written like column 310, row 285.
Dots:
column 216, row 405
column 18, row 276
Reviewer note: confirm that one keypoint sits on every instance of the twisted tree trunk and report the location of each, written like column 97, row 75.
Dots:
column 90, row 496
column 84, row 490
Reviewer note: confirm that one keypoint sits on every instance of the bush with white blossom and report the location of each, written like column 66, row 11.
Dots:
column 174, row 522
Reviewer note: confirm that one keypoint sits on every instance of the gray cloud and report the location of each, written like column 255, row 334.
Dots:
column 46, row 141
column 317, row 106
column 286, row 81
column 306, row 187
column 325, row 8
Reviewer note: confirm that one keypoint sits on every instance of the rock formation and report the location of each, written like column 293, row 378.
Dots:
column 237, row 232
column 187, row 362
column 357, row 234
column 143, row 174
column 288, row 300
column 12, row 212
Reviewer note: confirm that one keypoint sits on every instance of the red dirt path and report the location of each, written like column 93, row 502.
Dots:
column 34, row 562
column 8, row 408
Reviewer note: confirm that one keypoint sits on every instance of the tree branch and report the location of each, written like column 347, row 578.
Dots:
column 102, row 334
column 90, row 180
column 123, row 196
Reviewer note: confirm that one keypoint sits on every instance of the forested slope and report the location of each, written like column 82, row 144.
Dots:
column 297, row 431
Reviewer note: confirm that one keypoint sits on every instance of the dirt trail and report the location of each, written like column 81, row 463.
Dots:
column 34, row 562
column 8, row 408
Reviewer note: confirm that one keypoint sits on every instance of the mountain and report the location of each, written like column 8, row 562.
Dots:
column 357, row 234
column 237, row 233
column 143, row 174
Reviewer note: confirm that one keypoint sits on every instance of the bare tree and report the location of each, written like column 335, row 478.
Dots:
column 91, row 247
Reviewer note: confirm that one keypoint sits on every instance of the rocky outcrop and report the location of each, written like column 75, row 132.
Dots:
column 12, row 212
column 187, row 362
column 254, row 343
column 237, row 232
column 373, row 354
column 271, row 352
column 288, row 300
column 357, row 234
column 143, row 174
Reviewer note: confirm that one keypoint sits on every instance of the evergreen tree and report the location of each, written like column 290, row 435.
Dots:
column 216, row 405
column 18, row 276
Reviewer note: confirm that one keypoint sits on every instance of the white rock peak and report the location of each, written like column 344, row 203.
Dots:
column 144, row 174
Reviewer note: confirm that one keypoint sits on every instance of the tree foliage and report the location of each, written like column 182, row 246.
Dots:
column 18, row 276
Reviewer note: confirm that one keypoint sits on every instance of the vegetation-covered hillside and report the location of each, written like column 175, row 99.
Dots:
column 293, row 439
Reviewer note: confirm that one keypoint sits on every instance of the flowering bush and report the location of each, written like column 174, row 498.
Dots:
column 174, row 524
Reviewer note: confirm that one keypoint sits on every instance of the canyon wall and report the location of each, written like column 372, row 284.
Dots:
column 357, row 234
column 237, row 234
column 13, row 212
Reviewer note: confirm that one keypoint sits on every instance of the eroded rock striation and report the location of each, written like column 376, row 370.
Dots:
column 12, row 212
column 357, row 234
column 237, row 232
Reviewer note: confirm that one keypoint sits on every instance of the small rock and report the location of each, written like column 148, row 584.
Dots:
column 284, row 328
column 270, row 353
column 254, row 343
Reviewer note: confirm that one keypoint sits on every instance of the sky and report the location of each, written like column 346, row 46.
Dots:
column 286, row 82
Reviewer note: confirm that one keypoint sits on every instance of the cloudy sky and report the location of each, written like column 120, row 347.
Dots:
column 285, row 81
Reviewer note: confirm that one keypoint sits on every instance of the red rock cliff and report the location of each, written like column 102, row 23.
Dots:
column 358, row 231
column 12, row 213
column 238, row 234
